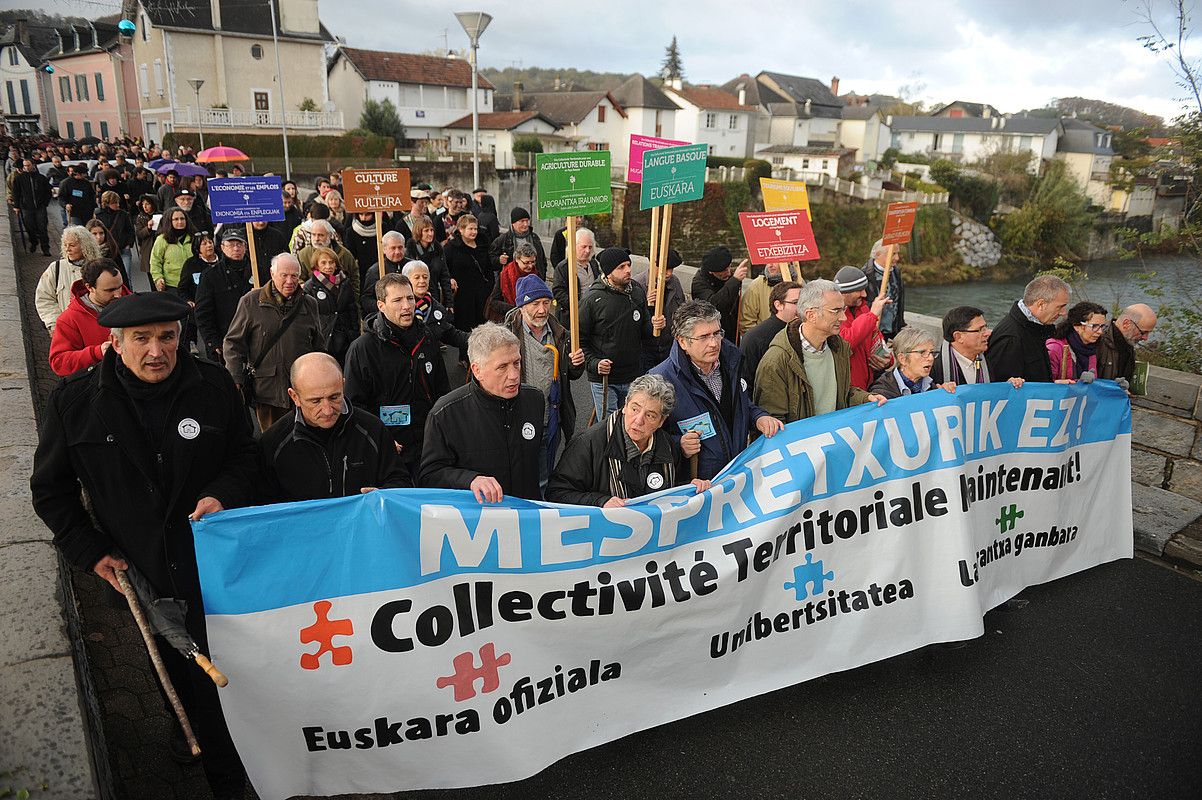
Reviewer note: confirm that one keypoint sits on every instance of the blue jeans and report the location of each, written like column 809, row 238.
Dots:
column 547, row 456
column 617, row 397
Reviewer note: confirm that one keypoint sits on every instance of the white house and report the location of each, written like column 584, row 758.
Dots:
column 809, row 159
column 429, row 92
column 590, row 120
column 649, row 112
column 708, row 115
column 498, row 129
column 1086, row 152
column 969, row 139
column 864, row 130
column 25, row 85
column 229, row 46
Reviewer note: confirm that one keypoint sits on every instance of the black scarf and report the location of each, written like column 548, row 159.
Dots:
column 152, row 402
column 1082, row 352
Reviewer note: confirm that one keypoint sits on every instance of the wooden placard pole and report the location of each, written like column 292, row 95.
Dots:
column 884, row 292
column 653, row 269
column 573, row 288
column 661, row 274
column 800, row 279
column 786, row 271
column 380, row 241
column 254, row 257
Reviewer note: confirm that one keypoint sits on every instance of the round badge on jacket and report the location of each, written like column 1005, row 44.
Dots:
column 429, row 366
column 188, row 428
column 637, row 315
column 655, row 481
column 528, row 431
column 321, row 295
column 437, row 314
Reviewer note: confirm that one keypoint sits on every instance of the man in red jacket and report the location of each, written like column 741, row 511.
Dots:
column 79, row 340
column 861, row 327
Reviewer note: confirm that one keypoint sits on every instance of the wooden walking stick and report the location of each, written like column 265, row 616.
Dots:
column 573, row 288
column 661, row 275
column 693, row 462
column 254, row 257
column 152, row 649
column 653, row 269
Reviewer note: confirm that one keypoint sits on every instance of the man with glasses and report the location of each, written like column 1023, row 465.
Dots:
column 711, row 394
column 961, row 356
column 861, row 327
column 807, row 369
column 1116, row 348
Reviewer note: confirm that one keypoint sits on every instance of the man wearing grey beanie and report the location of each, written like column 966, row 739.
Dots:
column 861, row 328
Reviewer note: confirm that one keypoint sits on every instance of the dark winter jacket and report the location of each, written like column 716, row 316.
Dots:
column 1017, row 348
column 256, row 320
column 1116, row 356
column 754, row 344
column 733, row 419
column 470, row 268
column 367, row 294
column 441, row 322
column 897, row 290
column 567, row 372
column 31, row 190
column 221, row 287
column 559, row 288
column 724, row 294
column 595, row 467
column 298, row 462
column 507, row 242
column 470, row 433
column 614, row 324
column 440, row 278
column 119, row 225
column 338, row 311
column 391, row 366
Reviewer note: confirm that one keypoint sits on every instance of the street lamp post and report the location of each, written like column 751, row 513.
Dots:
column 196, row 83
column 279, row 71
column 474, row 23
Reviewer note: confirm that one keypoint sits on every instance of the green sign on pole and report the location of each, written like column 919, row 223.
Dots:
column 673, row 175
column 573, row 184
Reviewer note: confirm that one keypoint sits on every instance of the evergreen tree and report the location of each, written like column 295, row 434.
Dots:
column 672, row 68
column 380, row 118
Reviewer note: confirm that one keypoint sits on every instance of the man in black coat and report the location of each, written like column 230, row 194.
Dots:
column 717, row 283
column 487, row 436
column 77, row 195
column 500, row 251
column 31, row 197
column 221, row 287
column 615, row 320
column 1017, row 347
column 588, row 271
column 395, row 259
column 783, row 302
column 328, row 448
column 395, row 370
column 156, row 438
column 893, row 315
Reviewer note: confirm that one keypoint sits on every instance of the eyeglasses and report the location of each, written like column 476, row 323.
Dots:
column 1142, row 333
column 1095, row 328
column 922, row 353
column 974, row 330
column 709, row 337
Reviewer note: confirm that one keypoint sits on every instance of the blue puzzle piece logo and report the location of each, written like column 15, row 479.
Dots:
column 809, row 573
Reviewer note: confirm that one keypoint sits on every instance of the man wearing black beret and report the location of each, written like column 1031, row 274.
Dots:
column 157, row 438
column 717, row 283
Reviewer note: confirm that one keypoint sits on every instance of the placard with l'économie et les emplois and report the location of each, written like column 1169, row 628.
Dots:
column 250, row 199
column 573, row 184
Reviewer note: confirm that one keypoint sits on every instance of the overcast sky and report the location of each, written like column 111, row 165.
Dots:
column 1013, row 54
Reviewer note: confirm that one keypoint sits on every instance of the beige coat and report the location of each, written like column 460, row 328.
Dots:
column 53, row 293
column 256, row 319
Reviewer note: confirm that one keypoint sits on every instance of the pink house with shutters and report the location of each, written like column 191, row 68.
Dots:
column 94, row 84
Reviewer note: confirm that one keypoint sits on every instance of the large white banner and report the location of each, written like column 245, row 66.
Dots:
column 414, row 639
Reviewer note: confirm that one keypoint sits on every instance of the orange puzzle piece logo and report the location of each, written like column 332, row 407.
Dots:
column 467, row 673
column 323, row 632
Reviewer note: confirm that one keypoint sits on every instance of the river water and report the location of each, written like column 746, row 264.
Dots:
column 1110, row 283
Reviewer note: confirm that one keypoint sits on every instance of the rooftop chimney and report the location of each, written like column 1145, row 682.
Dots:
column 676, row 83
column 742, row 87
column 23, row 31
column 95, row 38
column 807, row 105
column 558, row 83
column 986, row 112
column 835, row 86
column 517, row 95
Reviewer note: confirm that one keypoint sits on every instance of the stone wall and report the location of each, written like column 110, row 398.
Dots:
column 975, row 243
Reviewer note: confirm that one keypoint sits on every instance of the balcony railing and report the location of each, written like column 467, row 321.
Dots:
column 253, row 118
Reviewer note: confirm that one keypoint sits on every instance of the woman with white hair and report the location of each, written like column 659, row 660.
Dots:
column 915, row 350
column 629, row 456
column 53, row 292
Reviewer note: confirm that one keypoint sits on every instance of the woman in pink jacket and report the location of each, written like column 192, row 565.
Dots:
column 1073, row 348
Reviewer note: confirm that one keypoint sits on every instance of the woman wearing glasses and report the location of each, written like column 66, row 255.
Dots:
column 915, row 350
column 1073, row 348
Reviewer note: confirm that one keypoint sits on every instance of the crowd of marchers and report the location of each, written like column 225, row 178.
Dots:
column 339, row 355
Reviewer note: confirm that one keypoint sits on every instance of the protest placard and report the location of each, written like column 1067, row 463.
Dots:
column 673, row 175
column 776, row 237
column 246, row 200
column 899, row 222
column 640, row 144
column 784, row 195
column 366, row 190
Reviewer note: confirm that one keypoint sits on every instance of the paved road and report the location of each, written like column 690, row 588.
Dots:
column 1093, row 690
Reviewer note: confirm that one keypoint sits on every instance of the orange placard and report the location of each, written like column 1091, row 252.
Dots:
column 375, row 190
column 899, row 222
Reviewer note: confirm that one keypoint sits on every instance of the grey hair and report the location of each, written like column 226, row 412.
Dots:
column 388, row 237
column 119, row 333
column 524, row 250
column 91, row 250
column 1045, row 288
column 655, row 387
column 690, row 314
column 412, row 266
column 284, row 256
column 585, row 232
column 321, row 225
column 877, row 247
column 488, row 338
column 911, row 338
column 812, row 294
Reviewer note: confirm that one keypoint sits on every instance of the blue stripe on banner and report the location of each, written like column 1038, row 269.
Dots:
column 266, row 557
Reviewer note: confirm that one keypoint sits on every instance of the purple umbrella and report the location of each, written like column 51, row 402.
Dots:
column 184, row 169
column 158, row 162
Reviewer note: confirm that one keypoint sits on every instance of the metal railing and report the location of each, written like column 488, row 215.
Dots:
column 826, row 181
column 254, row 118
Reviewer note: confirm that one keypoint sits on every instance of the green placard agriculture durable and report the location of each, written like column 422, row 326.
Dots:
column 673, row 175
column 573, row 184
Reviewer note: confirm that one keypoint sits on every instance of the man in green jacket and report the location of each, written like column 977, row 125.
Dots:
column 807, row 369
